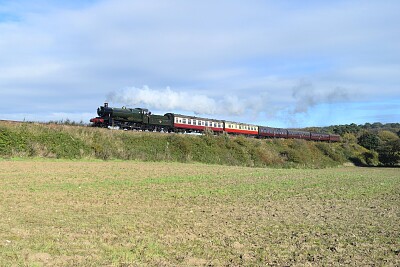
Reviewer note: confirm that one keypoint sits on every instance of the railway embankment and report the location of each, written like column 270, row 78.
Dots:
column 34, row 140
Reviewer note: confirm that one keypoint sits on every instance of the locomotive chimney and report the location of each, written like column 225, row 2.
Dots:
column 106, row 105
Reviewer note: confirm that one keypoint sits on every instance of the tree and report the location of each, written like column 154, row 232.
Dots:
column 367, row 125
column 369, row 141
column 387, row 136
column 389, row 153
column 349, row 138
column 377, row 125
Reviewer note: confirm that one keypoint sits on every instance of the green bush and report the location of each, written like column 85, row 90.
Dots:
column 369, row 140
column 371, row 158
column 389, row 153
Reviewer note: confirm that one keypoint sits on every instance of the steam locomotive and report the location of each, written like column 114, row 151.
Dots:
column 142, row 119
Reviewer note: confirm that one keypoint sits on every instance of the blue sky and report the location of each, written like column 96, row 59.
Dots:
column 277, row 63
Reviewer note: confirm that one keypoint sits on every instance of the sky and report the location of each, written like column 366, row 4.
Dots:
column 274, row 63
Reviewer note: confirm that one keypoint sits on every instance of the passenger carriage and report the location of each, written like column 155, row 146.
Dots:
column 241, row 128
column 196, row 124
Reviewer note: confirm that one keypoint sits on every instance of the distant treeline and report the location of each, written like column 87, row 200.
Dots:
column 382, row 140
column 358, row 128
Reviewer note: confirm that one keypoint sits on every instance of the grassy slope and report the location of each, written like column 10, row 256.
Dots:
column 72, row 142
column 65, row 213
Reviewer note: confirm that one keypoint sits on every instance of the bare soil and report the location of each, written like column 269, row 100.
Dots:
column 65, row 213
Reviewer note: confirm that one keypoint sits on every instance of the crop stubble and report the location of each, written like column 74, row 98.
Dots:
column 135, row 213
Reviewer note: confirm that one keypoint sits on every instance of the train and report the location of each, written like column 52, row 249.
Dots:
column 142, row 119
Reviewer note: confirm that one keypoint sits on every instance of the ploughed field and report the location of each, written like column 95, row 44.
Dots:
column 63, row 213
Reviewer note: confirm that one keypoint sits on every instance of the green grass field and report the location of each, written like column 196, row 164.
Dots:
column 95, row 213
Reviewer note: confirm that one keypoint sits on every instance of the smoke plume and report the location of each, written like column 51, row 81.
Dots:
column 306, row 96
column 170, row 100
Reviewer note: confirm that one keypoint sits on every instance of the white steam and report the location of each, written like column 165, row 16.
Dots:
column 304, row 96
column 170, row 100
